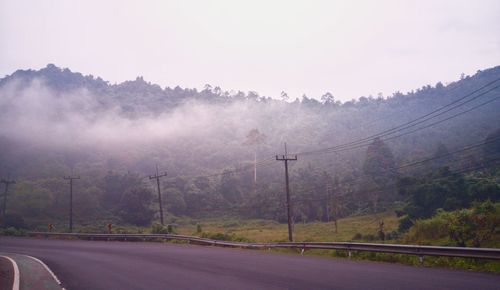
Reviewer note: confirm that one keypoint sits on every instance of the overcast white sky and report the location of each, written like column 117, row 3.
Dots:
column 349, row 48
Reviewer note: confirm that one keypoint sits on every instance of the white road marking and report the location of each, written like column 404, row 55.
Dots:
column 15, row 285
column 48, row 270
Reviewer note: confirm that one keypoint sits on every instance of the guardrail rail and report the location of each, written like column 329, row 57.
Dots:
column 463, row 252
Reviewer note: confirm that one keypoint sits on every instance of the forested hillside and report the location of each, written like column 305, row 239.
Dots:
column 55, row 123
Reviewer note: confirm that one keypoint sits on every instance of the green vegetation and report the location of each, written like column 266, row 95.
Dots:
column 478, row 226
column 271, row 231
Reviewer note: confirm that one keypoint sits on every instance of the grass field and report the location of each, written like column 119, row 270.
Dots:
column 271, row 231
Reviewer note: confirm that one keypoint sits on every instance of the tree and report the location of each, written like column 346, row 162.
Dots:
column 114, row 186
column 202, row 183
column 379, row 167
column 327, row 99
column 176, row 203
column 442, row 156
column 442, row 189
column 284, row 96
column 379, row 163
column 229, row 187
column 492, row 146
column 135, row 206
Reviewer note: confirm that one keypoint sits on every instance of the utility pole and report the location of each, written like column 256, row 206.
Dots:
column 255, row 171
column 327, row 201
column 285, row 158
column 7, row 182
column 157, row 176
column 71, row 178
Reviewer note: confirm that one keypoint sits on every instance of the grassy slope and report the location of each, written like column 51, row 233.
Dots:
column 270, row 231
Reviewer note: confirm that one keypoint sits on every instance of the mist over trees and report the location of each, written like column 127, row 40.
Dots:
column 54, row 121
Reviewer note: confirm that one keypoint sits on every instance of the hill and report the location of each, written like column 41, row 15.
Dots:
column 54, row 121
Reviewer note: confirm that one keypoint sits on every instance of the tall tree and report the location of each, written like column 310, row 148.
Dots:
column 135, row 206
column 379, row 163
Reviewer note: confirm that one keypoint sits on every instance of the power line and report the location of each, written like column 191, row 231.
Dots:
column 406, row 133
column 360, row 143
column 466, row 148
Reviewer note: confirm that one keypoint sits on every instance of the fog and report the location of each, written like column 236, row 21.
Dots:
column 209, row 134
column 39, row 114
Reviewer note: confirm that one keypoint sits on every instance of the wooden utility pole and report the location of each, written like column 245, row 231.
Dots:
column 157, row 176
column 7, row 183
column 71, row 178
column 285, row 158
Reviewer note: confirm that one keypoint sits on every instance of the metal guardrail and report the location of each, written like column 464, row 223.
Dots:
column 476, row 253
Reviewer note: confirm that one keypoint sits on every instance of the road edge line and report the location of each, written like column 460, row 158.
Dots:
column 15, row 284
column 48, row 270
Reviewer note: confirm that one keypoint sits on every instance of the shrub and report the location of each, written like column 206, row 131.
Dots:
column 369, row 237
column 405, row 224
column 357, row 236
column 224, row 237
column 11, row 231
column 475, row 225
column 157, row 228
column 12, row 220
column 429, row 229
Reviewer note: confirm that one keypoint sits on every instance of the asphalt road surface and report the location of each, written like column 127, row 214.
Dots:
column 129, row 265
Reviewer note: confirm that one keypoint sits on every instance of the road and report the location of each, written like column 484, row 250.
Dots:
column 128, row 265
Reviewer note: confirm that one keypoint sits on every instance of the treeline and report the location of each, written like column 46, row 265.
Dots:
column 317, row 195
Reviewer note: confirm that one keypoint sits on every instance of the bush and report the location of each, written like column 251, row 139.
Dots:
column 405, row 224
column 369, row 237
column 474, row 226
column 224, row 237
column 11, row 231
column 229, row 224
column 157, row 228
column 430, row 229
column 392, row 235
column 381, row 235
column 357, row 236
column 12, row 220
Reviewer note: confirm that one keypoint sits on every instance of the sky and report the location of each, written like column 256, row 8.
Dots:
column 348, row 48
